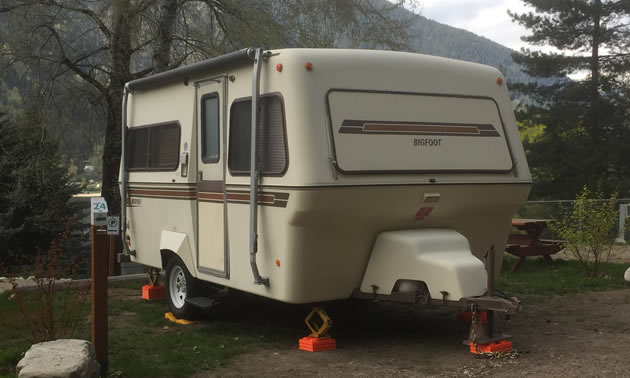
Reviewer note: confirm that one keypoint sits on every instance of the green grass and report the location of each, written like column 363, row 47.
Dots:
column 535, row 276
column 143, row 343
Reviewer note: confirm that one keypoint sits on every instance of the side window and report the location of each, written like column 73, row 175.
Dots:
column 210, row 128
column 153, row 148
column 137, row 148
column 271, row 138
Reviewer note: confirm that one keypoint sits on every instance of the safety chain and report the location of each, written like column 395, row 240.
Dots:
column 513, row 354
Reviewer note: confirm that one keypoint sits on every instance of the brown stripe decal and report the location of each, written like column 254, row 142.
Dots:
column 163, row 193
column 209, row 191
column 350, row 126
column 264, row 198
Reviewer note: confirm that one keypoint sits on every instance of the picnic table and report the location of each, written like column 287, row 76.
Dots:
column 530, row 244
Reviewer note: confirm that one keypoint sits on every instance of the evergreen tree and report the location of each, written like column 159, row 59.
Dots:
column 586, row 121
column 34, row 189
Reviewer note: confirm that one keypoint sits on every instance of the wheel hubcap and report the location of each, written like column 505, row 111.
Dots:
column 177, row 287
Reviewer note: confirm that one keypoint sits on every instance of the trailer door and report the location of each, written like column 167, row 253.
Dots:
column 212, row 249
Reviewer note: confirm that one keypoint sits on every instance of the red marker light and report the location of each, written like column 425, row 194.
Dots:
column 279, row 67
column 278, row 263
column 499, row 80
column 308, row 66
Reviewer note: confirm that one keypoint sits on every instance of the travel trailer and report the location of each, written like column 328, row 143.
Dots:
column 377, row 174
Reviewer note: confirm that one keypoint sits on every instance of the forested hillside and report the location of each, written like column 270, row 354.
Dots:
column 431, row 37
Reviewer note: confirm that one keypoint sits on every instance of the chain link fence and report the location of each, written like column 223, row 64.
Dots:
column 553, row 209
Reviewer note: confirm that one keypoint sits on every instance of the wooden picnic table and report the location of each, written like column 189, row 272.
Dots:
column 530, row 244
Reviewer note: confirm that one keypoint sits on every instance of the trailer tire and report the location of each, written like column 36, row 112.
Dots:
column 179, row 286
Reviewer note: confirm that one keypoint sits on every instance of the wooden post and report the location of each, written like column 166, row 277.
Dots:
column 99, row 270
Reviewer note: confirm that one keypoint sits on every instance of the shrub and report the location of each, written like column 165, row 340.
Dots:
column 589, row 227
column 49, row 313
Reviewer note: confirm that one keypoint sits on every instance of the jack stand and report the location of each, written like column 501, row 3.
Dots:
column 491, row 342
column 154, row 290
column 319, row 339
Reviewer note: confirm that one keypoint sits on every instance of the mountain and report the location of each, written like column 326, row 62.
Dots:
column 433, row 38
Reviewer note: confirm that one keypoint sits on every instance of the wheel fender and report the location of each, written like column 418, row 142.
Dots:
column 179, row 243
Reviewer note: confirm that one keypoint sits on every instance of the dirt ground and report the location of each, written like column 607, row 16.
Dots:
column 620, row 254
column 573, row 335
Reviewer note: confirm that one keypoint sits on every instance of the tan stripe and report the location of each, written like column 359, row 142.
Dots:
column 211, row 196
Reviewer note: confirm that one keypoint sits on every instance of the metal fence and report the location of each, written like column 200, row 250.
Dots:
column 553, row 209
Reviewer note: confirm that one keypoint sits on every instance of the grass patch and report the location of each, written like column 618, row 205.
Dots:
column 535, row 276
column 142, row 343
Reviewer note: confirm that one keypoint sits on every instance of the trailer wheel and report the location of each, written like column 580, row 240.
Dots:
column 179, row 286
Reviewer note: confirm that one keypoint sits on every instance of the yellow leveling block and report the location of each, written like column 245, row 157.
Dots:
column 171, row 317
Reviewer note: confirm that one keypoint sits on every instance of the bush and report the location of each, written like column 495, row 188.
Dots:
column 48, row 313
column 589, row 227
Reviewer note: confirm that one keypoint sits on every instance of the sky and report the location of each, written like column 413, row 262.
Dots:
column 487, row 18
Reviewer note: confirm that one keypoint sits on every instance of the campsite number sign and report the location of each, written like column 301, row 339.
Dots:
column 98, row 213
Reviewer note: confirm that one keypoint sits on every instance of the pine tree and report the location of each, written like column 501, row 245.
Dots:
column 34, row 189
column 584, row 103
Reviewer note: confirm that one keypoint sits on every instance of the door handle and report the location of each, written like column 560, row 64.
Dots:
column 200, row 176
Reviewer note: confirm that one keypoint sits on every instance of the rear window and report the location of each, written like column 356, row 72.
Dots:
column 271, row 138
column 153, row 147
column 391, row 132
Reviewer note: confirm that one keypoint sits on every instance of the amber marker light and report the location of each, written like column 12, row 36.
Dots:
column 308, row 66
column 278, row 263
column 279, row 67
column 499, row 80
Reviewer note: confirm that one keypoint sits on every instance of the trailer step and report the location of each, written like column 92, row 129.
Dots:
column 203, row 303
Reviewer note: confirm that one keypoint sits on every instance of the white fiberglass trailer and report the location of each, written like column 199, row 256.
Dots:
column 379, row 175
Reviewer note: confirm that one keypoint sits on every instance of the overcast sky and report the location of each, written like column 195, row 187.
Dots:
column 487, row 18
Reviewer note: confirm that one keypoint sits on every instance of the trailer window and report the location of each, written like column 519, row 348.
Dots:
column 210, row 128
column 153, row 147
column 271, row 138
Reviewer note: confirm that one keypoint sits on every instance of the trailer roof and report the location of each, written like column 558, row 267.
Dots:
column 238, row 57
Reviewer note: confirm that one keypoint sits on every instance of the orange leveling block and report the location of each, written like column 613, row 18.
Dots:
column 482, row 343
column 495, row 347
column 154, row 290
column 319, row 339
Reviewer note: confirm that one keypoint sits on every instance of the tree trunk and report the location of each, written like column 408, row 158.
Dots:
column 121, row 62
column 593, row 125
column 162, row 56
column 596, row 132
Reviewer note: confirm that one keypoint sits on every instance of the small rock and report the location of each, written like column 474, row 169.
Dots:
column 165, row 327
column 3, row 279
column 626, row 276
column 59, row 358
